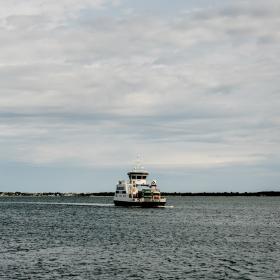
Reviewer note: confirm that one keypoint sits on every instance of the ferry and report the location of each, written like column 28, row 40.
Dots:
column 137, row 191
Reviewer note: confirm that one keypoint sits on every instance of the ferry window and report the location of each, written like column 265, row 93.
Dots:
column 133, row 177
column 139, row 177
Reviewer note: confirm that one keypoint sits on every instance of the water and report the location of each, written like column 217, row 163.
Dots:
column 89, row 238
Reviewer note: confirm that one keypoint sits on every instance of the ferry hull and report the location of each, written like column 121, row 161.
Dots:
column 146, row 204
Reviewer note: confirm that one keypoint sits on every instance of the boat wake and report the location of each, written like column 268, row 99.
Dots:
column 73, row 204
column 60, row 203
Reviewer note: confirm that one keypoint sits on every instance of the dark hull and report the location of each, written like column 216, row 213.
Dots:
column 146, row 204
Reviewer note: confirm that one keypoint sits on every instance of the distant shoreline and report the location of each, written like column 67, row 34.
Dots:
column 74, row 194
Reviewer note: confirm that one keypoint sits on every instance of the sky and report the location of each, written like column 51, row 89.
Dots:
column 191, row 86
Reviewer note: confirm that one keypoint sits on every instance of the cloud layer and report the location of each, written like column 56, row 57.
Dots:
column 93, row 83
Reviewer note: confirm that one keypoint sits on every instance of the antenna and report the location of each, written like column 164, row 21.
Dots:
column 138, row 165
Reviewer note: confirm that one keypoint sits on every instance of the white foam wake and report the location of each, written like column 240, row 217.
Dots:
column 59, row 203
column 71, row 203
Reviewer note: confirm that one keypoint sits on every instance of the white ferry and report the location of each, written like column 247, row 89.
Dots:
column 137, row 192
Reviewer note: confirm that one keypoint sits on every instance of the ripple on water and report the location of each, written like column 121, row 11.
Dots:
column 201, row 238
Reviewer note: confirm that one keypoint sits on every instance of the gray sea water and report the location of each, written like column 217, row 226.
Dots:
column 89, row 238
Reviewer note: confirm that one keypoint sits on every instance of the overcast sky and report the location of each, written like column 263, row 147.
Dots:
column 192, row 86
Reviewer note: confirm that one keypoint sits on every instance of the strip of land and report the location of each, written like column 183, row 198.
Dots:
column 88, row 194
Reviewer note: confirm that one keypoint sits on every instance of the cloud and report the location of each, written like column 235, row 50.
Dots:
column 196, row 89
column 51, row 8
